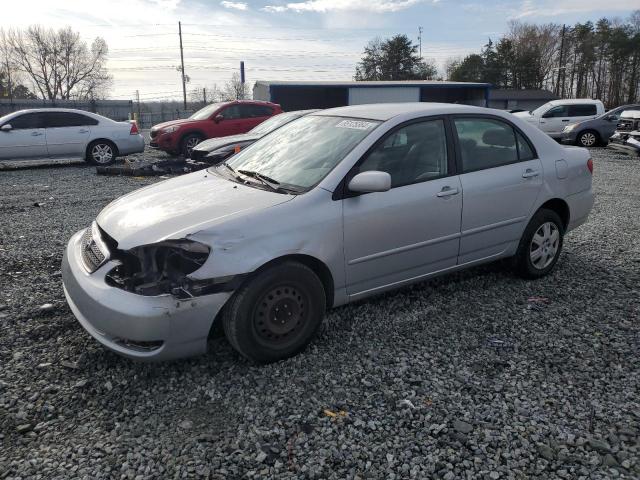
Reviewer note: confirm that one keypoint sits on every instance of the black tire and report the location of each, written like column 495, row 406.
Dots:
column 257, row 321
column 188, row 142
column 101, row 153
column 524, row 262
column 588, row 138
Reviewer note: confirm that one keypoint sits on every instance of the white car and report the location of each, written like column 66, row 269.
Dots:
column 66, row 133
column 331, row 208
column 553, row 116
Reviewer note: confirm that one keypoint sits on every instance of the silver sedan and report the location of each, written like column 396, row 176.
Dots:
column 329, row 209
column 65, row 133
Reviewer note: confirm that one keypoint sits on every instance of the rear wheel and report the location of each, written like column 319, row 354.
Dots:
column 188, row 142
column 540, row 245
column 588, row 138
column 101, row 153
column 276, row 314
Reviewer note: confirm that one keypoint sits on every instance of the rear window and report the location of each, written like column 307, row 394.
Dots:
column 582, row 110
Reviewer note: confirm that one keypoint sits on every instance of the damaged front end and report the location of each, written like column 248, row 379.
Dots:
column 626, row 138
column 164, row 268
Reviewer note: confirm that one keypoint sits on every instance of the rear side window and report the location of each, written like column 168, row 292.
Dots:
column 525, row 152
column 27, row 121
column 254, row 111
column 582, row 110
column 411, row 154
column 559, row 111
column 485, row 143
column 67, row 119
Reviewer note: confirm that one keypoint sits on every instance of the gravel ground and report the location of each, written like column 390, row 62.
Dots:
column 473, row 375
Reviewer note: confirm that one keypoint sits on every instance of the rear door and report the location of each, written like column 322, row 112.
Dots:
column 68, row 133
column 501, row 179
column 555, row 119
column 26, row 138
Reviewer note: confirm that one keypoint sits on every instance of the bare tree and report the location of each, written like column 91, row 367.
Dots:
column 59, row 63
column 235, row 89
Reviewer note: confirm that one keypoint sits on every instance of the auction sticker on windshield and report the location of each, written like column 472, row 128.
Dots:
column 356, row 124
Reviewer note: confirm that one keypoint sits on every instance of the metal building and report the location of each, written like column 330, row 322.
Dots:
column 305, row 95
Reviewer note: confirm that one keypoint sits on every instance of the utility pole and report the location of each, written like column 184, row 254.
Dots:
column 184, row 83
column 204, row 95
column 242, row 78
column 560, row 67
column 138, row 102
column 420, row 40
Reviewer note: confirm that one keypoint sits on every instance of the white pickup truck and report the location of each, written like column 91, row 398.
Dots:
column 553, row 116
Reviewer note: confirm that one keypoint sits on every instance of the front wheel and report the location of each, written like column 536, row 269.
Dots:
column 276, row 313
column 101, row 153
column 588, row 139
column 540, row 245
column 188, row 143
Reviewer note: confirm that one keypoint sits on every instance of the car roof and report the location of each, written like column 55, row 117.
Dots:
column 386, row 111
column 573, row 101
column 58, row 110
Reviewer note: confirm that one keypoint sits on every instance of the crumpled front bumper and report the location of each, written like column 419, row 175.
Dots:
column 136, row 326
column 625, row 143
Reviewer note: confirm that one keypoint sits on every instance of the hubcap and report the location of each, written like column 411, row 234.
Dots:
column 588, row 139
column 544, row 245
column 280, row 314
column 102, row 153
column 192, row 142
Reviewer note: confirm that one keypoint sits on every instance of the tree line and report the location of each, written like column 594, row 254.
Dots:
column 595, row 60
column 56, row 64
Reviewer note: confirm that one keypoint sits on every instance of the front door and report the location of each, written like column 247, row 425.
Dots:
column 555, row 119
column 26, row 138
column 414, row 228
column 232, row 122
column 501, row 179
column 67, row 133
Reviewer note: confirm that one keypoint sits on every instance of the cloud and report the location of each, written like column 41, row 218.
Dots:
column 552, row 8
column 234, row 5
column 324, row 6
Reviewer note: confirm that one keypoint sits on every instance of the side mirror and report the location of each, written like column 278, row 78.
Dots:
column 6, row 127
column 372, row 181
column 218, row 118
column 611, row 118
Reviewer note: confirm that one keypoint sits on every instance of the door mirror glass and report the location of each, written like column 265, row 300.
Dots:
column 611, row 117
column 371, row 181
column 6, row 127
column 218, row 118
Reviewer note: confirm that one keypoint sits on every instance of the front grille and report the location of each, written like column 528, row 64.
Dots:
column 92, row 256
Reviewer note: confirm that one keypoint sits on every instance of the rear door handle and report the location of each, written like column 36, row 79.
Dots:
column 565, row 120
column 529, row 173
column 84, row 130
column 36, row 134
column 447, row 192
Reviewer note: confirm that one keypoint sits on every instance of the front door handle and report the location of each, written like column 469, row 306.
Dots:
column 84, row 130
column 529, row 173
column 36, row 134
column 565, row 120
column 447, row 192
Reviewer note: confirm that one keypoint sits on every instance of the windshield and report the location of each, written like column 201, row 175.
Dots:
column 206, row 112
column 274, row 122
column 540, row 110
column 303, row 152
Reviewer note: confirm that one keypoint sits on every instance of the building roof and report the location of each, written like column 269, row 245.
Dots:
column 385, row 111
column 399, row 83
column 512, row 94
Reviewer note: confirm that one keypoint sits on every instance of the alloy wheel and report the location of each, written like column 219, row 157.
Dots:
column 191, row 143
column 588, row 139
column 102, row 153
column 544, row 245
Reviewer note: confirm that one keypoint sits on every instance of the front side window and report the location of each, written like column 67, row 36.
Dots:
column 485, row 143
column 232, row 113
column 559, row 111
column 26, row 121
column 412, row 154
column 582, row 110
column 302, row 153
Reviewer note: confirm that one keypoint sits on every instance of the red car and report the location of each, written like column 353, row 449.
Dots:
column 178, row 137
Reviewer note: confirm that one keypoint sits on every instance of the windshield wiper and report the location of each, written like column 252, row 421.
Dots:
column 269, row 182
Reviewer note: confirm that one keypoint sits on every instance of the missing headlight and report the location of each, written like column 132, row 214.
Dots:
column 160, row 268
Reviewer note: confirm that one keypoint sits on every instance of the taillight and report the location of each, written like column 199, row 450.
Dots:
column 590, row 166
column 134, row 129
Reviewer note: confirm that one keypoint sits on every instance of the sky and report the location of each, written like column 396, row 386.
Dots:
column 279, row 39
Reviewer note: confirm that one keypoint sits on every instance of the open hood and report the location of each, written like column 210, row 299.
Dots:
column 180, row 206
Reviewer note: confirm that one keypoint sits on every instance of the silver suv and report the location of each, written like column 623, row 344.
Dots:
column 331, row 208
